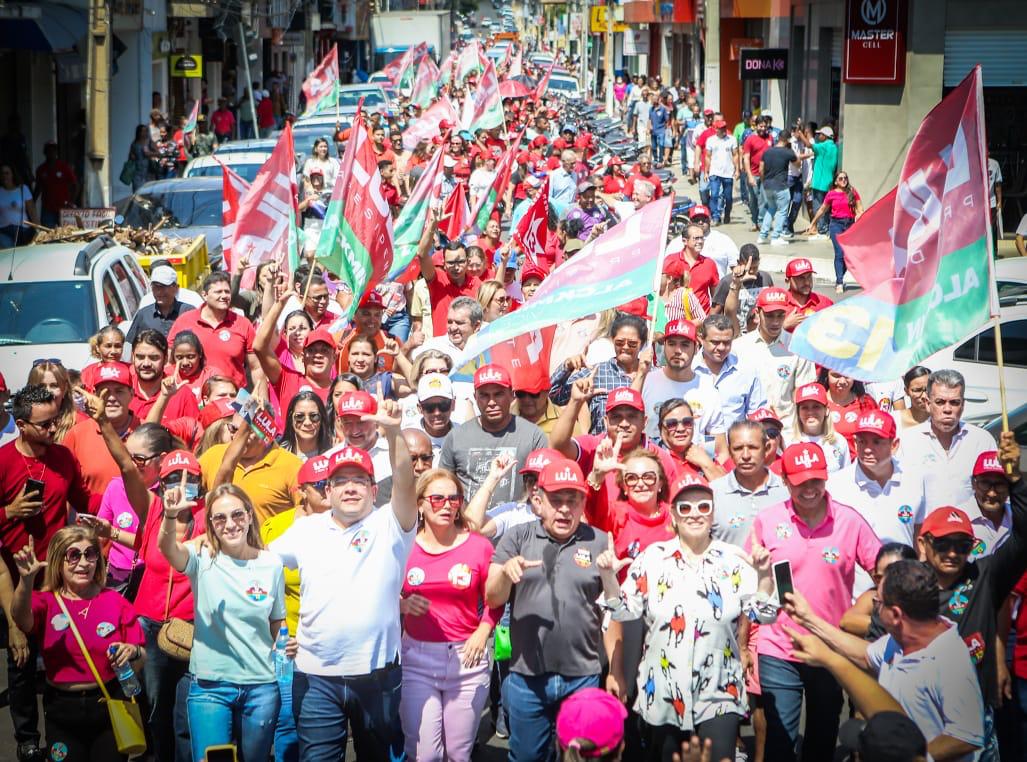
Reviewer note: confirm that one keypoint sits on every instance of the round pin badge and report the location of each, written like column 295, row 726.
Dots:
column 59, row 623
column 224, row 334
column 104, row 629
column 124, row 520
column 415, row 576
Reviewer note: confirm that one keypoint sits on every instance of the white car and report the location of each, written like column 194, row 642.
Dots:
column 59, row 295
column 1011, row 278
column 565, row 86
column 974, row 357
column 246, row 165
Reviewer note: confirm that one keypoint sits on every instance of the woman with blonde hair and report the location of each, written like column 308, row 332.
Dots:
column 813, row 424
column 54, row 376
column 494, row 300
column 239, row 607
column 446, row 626
column 73, row 600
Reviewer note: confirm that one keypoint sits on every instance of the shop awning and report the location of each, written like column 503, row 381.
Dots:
column 46, row 27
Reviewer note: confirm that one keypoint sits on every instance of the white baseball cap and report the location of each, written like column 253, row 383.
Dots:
column 434, row 385
column 164, row 276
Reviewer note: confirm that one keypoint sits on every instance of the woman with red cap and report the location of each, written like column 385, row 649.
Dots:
column 813, row 424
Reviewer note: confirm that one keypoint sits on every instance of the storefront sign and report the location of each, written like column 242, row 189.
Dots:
column 190, row 67
column 636, row 42
column 87, row 219
column 599, row 21
column 763, row 63
column 875, row 42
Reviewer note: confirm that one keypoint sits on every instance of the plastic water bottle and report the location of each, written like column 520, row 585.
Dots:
column 126, row 676
column 283, row 664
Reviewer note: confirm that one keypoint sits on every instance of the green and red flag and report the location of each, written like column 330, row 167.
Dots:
column 321, row 85
column 413, row 217
column 190, row 123
column 468, row 63
column 426, row 85
column 487, row 203
column 356, row 240
column 923, row 254
column 488, row 104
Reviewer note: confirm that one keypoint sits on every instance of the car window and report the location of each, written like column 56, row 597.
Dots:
column 183, row 208
column 1014, row 344
column 28, row 316
column 129, row 297
column 113, row 307
column 967, row 350
column 137, row 273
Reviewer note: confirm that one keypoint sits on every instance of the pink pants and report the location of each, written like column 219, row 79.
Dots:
column 441, row 701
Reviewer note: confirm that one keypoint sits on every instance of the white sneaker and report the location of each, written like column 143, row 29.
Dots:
column 818, row 237
column 779, row 242
column 760, row 240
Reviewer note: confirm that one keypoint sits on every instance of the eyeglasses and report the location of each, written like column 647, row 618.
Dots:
column 626, row 344
column 437, row 407
column 219, row 519
column 696, row 238
column 301, row 417
column 73, row 555
column 673, row 423
column 342, row 481
column 522, row 394
column 649, row 478
column 49, row 423
column 47, row 361
column 319, row 298
column 142, row 460
column 319, row 485
column 962, row 545
column 684, row 508
column 439, row 501
column 772, row 433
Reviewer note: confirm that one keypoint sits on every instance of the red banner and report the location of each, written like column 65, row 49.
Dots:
column 875, row 42
column 232, row 188
column 532, row 231
column 527, row 358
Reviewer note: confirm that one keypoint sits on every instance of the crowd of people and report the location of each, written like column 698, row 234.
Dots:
column 299, row 530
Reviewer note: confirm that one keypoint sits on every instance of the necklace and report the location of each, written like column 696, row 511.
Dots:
column 85, row 611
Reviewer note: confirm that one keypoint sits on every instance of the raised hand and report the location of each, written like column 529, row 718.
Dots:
column 608, row 561
column 577, row 362
column 175, row 502
column 27, row 564
column 390, row 348
column 607, row 457
column 797, row 607
column 694, row 750
column 584, row 389
column 514, row 568
column 1009, row 454
column 809, row 649
column 96, row 405
column 500, row 466
column 389, row 416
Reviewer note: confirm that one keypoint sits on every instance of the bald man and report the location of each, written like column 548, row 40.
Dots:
column 419, row 446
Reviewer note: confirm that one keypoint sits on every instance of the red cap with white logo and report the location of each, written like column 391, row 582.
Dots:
column 945, row 521
column 803, row 461
column 215, row 410
column 492, row 374
column 799, row 266
column 772, row 299
column 988, row 463
column 689, row 481
column 314, row 470
column 179, row 460
column 624, row 396
column 684, row 329
column 811, row 393
column 351, row 456
column 112, row 373
column 539, row 459
column 356, row 403
column 562, row 474
column 876, row 422
column 762, row 414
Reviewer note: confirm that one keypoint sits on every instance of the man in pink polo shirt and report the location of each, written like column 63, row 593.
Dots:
column 823, row 541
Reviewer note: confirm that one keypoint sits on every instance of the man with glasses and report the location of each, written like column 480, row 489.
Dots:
column 352, row 560
column 32, row 516
column 435, row 401
column 989, row 510
column 644, row 173
column 534, row 405
column 421, row 456
column 449, row 284
column 703, row 272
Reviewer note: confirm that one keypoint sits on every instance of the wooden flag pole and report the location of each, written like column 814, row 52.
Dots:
column 1000, row 362
column 310, row 277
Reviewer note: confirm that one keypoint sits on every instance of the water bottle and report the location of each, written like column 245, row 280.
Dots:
column 283, row 664
column 126, row 676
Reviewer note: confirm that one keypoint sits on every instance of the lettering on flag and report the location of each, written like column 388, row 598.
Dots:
column 233, row 187
column 532, row 232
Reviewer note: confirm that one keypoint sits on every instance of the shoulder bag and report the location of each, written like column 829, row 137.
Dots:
column 175, row 636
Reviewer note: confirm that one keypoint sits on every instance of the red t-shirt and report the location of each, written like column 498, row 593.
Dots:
column 391, row 195
column 265, row 113
column 589, row 443
column 1020, row 627
column 442, row 291
column 182, row 404
column 845, row 417
column 755, row 145
column 700, row 144
column 454, row 582
column 108, row 618
column 226, row 344
column 704, row 277
column 55, row 181
column 815, row 303
column 652, row 179
column 152, row 597
column 222, row 121
column 613, row 185
column 62, row 484
column 290, row 383
column 632, row 531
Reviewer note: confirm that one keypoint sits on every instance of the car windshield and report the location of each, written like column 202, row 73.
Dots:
column 562, row 84
column 352, row 97
column 27, row 312
column 246, row 171
column 184, row 208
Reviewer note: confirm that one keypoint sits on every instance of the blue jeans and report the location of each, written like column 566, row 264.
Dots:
column 775, row 213
column 532, row 703
column 398, row 326
column 784, row 683
column 756, row 201
column 167, row 686
column 721, row 189
column 287, row 743
column 816, row 198
column 837, row 227
column 226, row 713
column 795, row 188
column 322, row 706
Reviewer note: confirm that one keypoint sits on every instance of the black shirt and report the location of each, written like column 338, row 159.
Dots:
column 150, row 317
column 775, row 167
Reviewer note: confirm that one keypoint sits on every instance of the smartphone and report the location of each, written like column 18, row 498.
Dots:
column 783, row 580
column 34, row 488
column 223, row 753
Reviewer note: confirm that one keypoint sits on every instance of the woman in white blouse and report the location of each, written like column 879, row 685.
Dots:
column 319, row 159
column 691, row 591
column 16, row 210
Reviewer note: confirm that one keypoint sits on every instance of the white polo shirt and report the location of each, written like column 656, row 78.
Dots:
column 780, row 370
column 949, row 471
column 987, row 537
column 936, row 686
column 350, row 581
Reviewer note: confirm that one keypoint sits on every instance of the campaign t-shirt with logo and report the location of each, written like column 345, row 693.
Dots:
column 845, row 417
column 234, row 602
column 454, row 582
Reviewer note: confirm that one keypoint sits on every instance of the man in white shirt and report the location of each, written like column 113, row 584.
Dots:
column 740, row 390
column 722, row 162
column 462, row 321
column 944, row 446
column 780, row 370
column 351, row 561
column 676, row 380
column 481, row 179
column 988, row 510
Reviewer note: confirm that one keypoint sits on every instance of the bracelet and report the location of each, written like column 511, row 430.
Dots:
column 116, row 534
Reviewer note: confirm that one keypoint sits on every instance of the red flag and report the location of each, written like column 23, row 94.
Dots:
column 544, row 83
column 487, row 203
column 265, row 226
column 526, row 357
column 533, row 229
column 322, row 81
column 232, row 188
column 867, row 244
column 455, row 214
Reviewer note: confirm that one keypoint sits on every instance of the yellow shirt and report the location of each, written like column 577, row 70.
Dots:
column 270, row 482
column 270, row 530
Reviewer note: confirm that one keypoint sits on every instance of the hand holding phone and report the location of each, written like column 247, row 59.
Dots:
column 783, row 580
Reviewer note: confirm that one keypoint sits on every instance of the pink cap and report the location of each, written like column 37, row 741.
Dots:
column 803, row 461
column 594, row 716
column 799, row 266
column 561, row 474
column 179, row 460
column 314, row 470
column 811, row 393
column 624, row 396
column 492, row 374
column 111, row 373
column 356, row 403
column 988, row 463
column 772, row 299
column 876, row 422
column 539, row 459
column 687, row 481
column 946, row 520
column 351, row 456
column 683, row 328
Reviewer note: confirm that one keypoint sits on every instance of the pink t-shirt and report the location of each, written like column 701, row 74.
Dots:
column 839, row 202
column 108, row 618
column 454, row 582
column 823, row 563
column 116, row 508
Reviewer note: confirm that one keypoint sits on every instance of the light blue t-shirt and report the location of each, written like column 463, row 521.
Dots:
column 234, row 602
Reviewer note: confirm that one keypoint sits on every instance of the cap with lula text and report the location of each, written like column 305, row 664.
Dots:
column 541, row 458
column 689, row 481
column 351, row 456
column 800, row 266
column 314, row 470
column 811, row 393
column 179, row 460
column 356, row 403
column 772, row 299
column 492, row 374
column 878, row 423
column 624, row 396
column 562, row 474
column 372, row 300
column 111, row 373
column 941, row 522
column 698, row 211
column 762, row 414
column 988, row 463
column 684, row 329
column 802, row 462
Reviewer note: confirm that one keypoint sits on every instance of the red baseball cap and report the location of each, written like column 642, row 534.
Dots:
column 372, row 300
column 553, row 162
column 561, row 474
column 591, row 715
column 638, row 307
column 762, row 414
column 803, row 461
column 674, row 267
column 877, row 422
column 624, row 396
column 583, row 141
column 356, row 403
column 946, row 520
column 492, row 374
column 687, row 481
column 314, row 470
column 799, row 266
column 111, row 373
column 682, row 328
column 811, row 393
column 772, row 299
column 179, row 460
column 533, row 271
column 523, row 157
column 320, row 334
column 541, row 458
column 719, row 124
column 615, row 161
column 445, row 124
column 215, row 410
column 698, row 211
column 708, row 112
column 351, row 456
column 988, row 463
column 539, row 141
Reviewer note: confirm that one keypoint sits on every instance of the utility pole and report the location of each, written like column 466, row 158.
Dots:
column 245, row 51
column 608, row 58
column 97, row 185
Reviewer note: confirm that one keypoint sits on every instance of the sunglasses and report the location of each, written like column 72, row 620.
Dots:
column 521, row 394
column 962, row 545
column 649, row 478
column 437, row 407
column 142, row 460
column 74, row 555
column 301, row 417
column 684, row 508
column 49, row 423
column 47, row 361
column 219, row 519
column 439, row 501
column 673, row 423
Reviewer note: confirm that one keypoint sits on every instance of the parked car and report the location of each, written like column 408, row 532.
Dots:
column 246, row 165
column 250, row 145
column 1017, row 425
column 563, row 85
column 58, row 295
column 1011, row 279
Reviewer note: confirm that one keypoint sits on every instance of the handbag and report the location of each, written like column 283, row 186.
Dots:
column 126, row 719
column 501, row 643
column 175, row 636
column 128, row 172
